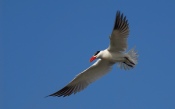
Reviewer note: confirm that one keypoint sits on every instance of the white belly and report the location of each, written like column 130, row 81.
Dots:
column 118, row 57
column 114, row 56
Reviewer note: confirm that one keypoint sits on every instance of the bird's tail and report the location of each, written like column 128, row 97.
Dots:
column 130, row 60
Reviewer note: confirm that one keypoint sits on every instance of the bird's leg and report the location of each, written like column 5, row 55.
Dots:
column 129, row 60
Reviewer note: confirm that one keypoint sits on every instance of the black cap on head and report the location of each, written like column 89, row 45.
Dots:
column 96, row 53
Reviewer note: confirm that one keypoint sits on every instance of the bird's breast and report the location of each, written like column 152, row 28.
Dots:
column 114, row 56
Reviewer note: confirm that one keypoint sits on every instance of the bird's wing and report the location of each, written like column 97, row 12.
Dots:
column 118, row 38
column 82, row 80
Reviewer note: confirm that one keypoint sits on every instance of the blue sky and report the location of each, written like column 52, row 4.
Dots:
column 45, row 43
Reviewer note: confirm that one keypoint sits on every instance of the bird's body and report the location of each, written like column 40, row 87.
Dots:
column 115, row 53
column 112, row 56
column 118, row 56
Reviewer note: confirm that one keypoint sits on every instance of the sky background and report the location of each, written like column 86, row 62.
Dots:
column 45, row 43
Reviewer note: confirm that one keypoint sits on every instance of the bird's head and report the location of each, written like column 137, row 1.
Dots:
column 95, row 56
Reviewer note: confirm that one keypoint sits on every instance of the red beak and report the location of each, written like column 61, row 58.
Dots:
column 92, row 58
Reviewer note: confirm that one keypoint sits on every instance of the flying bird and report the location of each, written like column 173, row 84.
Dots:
column 114, row 54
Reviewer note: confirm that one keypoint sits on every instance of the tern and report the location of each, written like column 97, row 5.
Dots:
column 114, row 54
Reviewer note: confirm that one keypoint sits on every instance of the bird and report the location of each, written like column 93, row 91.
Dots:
column 115, row 53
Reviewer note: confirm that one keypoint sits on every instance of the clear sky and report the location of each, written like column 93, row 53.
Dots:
column 45, row 43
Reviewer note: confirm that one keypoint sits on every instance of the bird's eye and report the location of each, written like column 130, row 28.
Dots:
column 96, row 53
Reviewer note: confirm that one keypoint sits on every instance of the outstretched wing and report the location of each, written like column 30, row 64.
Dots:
column 82, row 80
column 118, row 38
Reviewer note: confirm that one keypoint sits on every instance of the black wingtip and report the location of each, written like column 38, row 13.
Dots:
column 46, row 96
column 121, row 23
column 66, row 91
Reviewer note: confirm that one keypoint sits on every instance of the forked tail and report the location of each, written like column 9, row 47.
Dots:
column 130, row 60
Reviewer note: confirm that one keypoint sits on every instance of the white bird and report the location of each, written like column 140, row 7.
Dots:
column 115, row 53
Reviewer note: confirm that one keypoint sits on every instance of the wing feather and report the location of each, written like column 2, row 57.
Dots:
column 82, row 80
column 118, row 38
